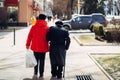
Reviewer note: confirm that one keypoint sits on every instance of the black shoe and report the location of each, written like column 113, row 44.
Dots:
column 41, row 78
column 53, row 78
column 53, row 75
column 41, row 75
column 34, row 77
column 59, row 77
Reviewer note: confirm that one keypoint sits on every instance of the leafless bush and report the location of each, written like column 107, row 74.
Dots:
column 113, row 35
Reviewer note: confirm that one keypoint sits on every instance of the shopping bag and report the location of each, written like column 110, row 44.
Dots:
column 30, row 59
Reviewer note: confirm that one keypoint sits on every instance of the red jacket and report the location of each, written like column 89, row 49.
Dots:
column 37, row 37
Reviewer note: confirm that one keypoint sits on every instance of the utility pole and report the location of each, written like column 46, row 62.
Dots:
column 78, row 4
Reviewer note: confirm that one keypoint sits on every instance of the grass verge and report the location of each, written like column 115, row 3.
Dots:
column 110, row 63
column 89, row 40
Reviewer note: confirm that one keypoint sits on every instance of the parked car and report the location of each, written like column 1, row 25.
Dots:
column 85, row 21
column 79, row 22
column 98, row 18
column 75, row 15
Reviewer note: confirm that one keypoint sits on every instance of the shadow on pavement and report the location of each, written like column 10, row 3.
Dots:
column 33, row 78
column 27, row 79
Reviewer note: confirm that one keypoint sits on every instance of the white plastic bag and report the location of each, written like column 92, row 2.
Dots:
column 30, row 59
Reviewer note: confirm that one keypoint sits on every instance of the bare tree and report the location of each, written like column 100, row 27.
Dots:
column 118, row 6
column 62, row 7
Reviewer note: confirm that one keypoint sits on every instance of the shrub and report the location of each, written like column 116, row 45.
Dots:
column 115, row 21
column 98, row 30
column 112, row 33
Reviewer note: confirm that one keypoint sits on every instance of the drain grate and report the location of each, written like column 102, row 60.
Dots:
column 84, row 77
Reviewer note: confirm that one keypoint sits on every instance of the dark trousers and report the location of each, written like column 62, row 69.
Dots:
column 40, row 57
column 56, row 70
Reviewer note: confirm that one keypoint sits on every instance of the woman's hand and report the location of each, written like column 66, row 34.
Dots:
column 27, row 47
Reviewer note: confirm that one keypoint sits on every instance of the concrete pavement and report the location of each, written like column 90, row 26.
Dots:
column 78, row 62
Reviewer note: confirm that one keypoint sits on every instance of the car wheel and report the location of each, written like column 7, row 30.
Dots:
column 67, row 27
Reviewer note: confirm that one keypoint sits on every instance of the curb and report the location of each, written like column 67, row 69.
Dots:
column 94, row 44
column 89, row 54
column 101, row 68
column 78, row 41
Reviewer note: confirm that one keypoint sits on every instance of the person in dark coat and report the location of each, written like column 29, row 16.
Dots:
column 59, row 42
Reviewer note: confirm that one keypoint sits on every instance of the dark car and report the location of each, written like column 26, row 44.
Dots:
column 85, row 21
column 79, row 22
column 98, row 18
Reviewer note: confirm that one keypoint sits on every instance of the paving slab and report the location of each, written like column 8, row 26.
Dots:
column 78, row 61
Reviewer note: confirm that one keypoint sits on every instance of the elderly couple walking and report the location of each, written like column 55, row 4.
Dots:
column 42, row 39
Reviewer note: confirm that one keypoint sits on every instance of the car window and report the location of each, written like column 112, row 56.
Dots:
column 85, row 19
column 98, row 17
column 77, row 19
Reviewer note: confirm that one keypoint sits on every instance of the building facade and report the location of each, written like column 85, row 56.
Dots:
column 19, row 12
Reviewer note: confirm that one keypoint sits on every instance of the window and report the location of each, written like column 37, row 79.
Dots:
column 85, row 19
column 77, row 19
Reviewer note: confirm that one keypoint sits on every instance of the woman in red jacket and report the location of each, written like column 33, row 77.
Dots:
column 37, row 42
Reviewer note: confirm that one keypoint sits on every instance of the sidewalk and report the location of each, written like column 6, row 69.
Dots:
column 77, row 60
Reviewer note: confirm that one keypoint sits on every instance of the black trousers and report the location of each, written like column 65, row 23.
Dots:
column 56, row 70
column 40, row 57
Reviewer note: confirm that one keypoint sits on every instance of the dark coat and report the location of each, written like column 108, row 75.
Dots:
column 59, row 43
